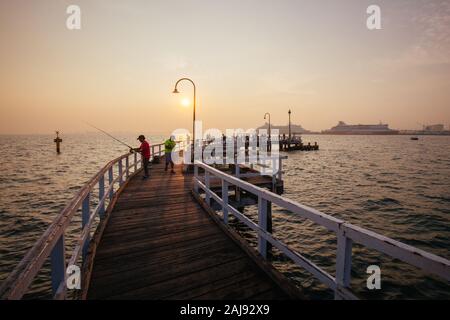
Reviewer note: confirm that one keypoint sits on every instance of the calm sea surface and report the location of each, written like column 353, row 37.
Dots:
column 388, row 184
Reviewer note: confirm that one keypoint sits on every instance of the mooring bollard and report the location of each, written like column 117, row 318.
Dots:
column 58, row 141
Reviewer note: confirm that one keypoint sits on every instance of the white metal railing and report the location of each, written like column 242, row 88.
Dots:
column 346, row 233
column 260, row 163
column 52, row 242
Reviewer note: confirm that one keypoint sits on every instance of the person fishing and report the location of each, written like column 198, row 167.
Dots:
column 144, row 150
column 169, row 145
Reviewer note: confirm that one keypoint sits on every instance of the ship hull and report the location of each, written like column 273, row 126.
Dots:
column 360, row 133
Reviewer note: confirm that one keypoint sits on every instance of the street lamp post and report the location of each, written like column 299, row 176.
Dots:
column 175, row 90
column 289, row 124
column 270, row 132
column 268, row 114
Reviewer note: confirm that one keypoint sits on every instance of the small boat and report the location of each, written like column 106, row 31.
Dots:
column 415, row 138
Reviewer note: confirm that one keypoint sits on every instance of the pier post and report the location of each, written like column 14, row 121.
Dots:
column 269, row 226
column 237, row 170
column 127, row 167
column 225, row 201
column 58, row 264
column 343, row 262
column 110, row 180
column 280, row 169
column 120, row 173
column 290, row 127
column 207, row 191
column 196, row 179
column 58, row 141
column 101, row 194
column 262, row 222
column 274, row 175
column 238, row 174
column 85, row 215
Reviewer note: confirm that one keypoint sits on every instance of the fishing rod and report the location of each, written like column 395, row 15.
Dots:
column 109, row 135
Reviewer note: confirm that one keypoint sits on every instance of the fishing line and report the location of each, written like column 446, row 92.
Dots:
column 109, row 135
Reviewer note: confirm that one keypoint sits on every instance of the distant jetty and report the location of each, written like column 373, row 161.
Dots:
column 295, row 129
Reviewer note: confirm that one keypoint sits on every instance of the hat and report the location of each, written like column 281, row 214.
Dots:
column 141, row 137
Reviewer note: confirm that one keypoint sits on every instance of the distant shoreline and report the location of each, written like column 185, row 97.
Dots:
column 404, row 133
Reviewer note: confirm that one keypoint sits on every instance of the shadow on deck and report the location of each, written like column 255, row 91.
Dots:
column 160, row 244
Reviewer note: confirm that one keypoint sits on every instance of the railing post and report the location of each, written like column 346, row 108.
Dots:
column 85, row 214
column 273, row 165
column 195, row 178
column 225, row 201
column 237, row 174
column 58, row 264
column 262, row 223
column 207, row 191
column 135, row 162
column 120, row 173
column 110, row 179
column 269, row 224
column 280, row 169
column 343, row 262
column 127, row 167
column 101, row 195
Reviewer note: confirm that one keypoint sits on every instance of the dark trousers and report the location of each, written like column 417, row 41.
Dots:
column 169, row 160
column 145, row 163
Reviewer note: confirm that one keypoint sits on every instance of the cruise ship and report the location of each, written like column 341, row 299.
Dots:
column 343, row 128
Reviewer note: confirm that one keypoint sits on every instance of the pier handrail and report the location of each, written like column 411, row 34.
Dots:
column 52, row 242
column 346, row 233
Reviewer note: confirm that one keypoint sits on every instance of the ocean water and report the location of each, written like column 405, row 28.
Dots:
column 388, row 184
column 36, row 184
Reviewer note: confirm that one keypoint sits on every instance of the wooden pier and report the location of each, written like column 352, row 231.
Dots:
column 159, row 243
column 295, row 143
column 169, row 237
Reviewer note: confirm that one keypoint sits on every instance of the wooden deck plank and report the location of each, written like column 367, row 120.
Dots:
column 184, row 284
column 160, row 244
column 166, row 240
column 239, row 287
column 142, row 258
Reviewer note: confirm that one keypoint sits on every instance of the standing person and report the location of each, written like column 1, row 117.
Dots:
column 169, row 145
column 144, row 150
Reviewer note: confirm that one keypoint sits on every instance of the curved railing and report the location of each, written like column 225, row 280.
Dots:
column 52, row 242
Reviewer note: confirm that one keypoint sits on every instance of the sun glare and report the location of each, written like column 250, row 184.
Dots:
column 185, row 102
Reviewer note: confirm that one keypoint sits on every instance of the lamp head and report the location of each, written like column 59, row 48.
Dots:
column 175, row 90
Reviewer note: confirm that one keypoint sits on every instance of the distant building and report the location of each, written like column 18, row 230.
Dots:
column 372, row 129
column 295, row 129
column 434, row 128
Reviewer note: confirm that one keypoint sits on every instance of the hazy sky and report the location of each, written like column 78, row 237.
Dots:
column 247, row 58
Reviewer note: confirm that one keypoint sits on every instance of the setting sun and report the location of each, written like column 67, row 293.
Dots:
column 185, row 102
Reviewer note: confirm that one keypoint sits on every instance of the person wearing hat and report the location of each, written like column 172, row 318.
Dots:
column 144, row 150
